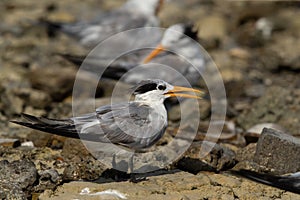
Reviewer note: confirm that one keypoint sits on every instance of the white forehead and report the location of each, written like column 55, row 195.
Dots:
column 172, row 35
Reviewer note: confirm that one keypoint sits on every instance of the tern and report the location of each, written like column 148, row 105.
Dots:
column 176, row 49
column 134, row 125
column 180, row 51
column 133, row 14
column 285, row 182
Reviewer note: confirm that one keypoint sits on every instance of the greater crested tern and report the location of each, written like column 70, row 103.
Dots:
column 133, row 14
column 134, row 125
column 176, row 49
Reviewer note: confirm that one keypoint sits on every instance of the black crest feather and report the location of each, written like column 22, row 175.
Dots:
column 190, row 31
column 146, row 86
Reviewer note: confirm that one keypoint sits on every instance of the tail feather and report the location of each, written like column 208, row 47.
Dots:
column 65, row 128
column 289, row 183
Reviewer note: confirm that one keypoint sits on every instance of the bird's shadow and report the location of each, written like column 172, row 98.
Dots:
column 113, row 175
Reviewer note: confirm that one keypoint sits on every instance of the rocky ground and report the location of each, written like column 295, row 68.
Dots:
column 256, row 46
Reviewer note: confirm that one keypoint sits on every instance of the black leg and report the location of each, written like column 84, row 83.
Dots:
column 130, row 164
column 113, row 162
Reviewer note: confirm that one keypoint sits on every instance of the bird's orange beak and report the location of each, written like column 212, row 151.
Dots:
column 159, row 6
column 154, row 53
column 175, row 92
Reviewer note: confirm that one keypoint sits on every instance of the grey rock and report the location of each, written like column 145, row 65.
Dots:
column 206, row 156
column 10, row 190
column 278, row 105
column 48, row 179
column 20, row 174
column 278, row 151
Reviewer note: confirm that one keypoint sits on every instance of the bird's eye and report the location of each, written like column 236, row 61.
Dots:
column 161, row 87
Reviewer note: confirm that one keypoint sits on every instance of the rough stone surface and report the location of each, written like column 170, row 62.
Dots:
column 48, row 179
column 206, row 156
column 19, row 176
column 87, row 169
column 246, row 153
column 82, row 165
column 278, row 151
column 272, row 107
column 180, row 185
column 9, row 190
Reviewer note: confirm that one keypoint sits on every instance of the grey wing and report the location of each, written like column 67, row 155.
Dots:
column 132, row 125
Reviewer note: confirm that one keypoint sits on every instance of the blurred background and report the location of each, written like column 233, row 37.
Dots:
column 255, row 45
